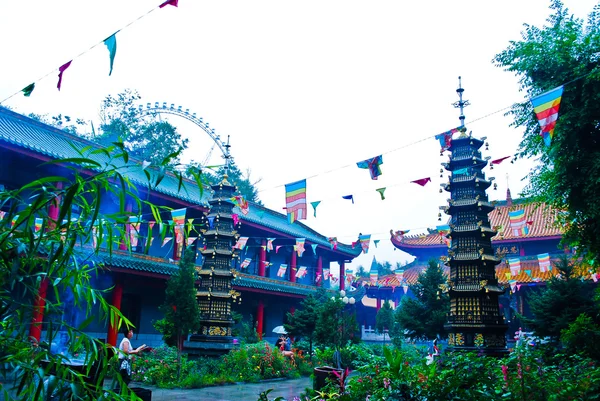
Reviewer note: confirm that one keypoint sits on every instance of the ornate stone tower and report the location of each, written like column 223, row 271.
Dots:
column 215, row 293
column 474, row 321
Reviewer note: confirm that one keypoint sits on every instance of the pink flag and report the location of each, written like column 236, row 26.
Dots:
column 191, row 240
column 235, row 218
column 325, row 274
column 282, row 270
column 62, row 69
column 166, row 240
column 169, row 3
column 422, row 182
column 277, row 248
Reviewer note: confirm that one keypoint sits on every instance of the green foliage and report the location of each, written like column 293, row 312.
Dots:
column 31, row 258
column 249, row 333
column 335, row 325
column 582, row 336
column 303, row 321
column 182, row 314
column 385, row 319
column 560, row 303
column 563, row 51
column 425, row 315
column 241, row 180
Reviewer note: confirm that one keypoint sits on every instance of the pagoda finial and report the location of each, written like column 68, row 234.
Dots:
column 461, row 104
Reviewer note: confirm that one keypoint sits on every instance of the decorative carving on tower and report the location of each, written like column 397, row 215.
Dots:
column 474, row 320
column 215, row 293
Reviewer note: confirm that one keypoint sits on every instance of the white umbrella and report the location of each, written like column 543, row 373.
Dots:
column 279, row 330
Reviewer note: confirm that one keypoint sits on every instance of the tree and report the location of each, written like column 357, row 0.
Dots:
column 560, row 303
column 303, row 321
column 335, row 325
column 145, row 139
column 30, row 257
column 425, row 315
column 384, row 320
column 246, row 187
column 564, row 51
column 182, row 314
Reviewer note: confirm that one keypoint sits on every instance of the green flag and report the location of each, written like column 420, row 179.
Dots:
column 28, row 89
column 381, row 191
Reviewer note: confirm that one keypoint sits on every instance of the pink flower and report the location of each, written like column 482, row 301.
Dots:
column 386, row 382
column 505, row 372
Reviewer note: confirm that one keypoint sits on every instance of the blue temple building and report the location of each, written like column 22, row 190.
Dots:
column 136, row 276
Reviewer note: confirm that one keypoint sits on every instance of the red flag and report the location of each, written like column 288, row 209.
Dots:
column 62, row 69
column 422, row 182
column 498, row 161
column 169, row 3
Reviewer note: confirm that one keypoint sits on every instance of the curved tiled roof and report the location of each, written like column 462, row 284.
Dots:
column 43, row 139
column 411, row 274
column 540, row 217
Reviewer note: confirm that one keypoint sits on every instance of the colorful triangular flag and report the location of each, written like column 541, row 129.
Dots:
column 314, row 205
column 545, row 107
column 381, row 191
column 373, row 166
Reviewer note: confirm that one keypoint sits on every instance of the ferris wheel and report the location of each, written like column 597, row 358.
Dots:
column 157, row 110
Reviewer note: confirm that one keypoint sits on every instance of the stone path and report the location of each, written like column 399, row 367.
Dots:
column 288, row 389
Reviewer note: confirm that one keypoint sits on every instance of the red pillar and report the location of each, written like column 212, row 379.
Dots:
column 320, row 271
column 260, row 314
column 378, row 304
column 293, row 263
column 117, row 296
column 342, row 276
column 39, row 304
column 262, row 258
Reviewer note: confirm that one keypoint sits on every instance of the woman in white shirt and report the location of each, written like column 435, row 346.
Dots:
column 126, row 350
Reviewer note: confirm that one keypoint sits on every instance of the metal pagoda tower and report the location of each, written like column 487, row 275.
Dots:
column 474, row 321
column 215, row 292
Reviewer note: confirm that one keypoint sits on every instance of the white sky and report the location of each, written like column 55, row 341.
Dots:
column 302, row 88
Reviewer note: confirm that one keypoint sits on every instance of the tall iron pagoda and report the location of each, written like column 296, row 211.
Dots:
column 215, row 293
column 474, row 321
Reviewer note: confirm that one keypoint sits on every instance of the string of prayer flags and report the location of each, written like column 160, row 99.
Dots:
column 166, row 241
column 333, row 242
column 325, row 274
column 545, row 107
column 349, row 197
column 375, row 242
column 242, row 203
column 295, row 200
column 61, row 70
column 270, row 244
column 282, row 270
column 241, row 243
column 515, row 266
column 517, row 223
column 364, row 240
column 422, row 181
column 111, row 44
column 373, row 166
column 299, row 247
column 191, row 240
column 28, row 89
column 381, row 191
column 314, row 248
column 544, row 262
column 169, row 3
column 498, row 161
column 445, row 138
column 245, row 263
column 301, row 272
column 178, row 216
column 314, row 205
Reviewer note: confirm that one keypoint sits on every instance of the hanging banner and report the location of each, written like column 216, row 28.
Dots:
column 364, row 240
column 299, row 247
column 545, row 107
column 445, row 138
column 241, row 243
column 325, row 274
column 515, row 266
column 270, row 244
column 295, row 200
column 301, row 272
column 282, row 270
column 134, row 230
column 245, row 263
column 544, row 262
column 241, row 203
column 518, row 225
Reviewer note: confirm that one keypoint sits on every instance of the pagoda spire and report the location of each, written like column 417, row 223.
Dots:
column 461, row 104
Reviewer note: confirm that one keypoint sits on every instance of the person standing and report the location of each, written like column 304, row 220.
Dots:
column 126, row 350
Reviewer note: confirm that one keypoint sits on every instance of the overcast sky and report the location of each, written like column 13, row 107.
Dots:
column 305, row 89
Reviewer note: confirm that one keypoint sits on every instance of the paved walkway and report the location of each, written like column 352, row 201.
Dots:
column 288, row 389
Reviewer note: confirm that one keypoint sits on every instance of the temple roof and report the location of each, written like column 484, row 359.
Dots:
column 32, row 135
column 411, row 274
column 540, row 217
